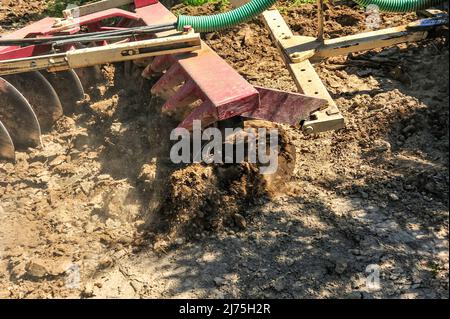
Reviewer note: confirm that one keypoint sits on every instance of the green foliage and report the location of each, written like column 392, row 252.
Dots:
column 195, row 3
column 201, row 2
column 56, row 7
column 300, row 2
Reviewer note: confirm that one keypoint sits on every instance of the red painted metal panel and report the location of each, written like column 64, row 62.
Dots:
column 284, row 107
column 144, row 3
column 45, row 27
column 18, row 53
column 34, row 28
column 106, row 14
column 155, row 14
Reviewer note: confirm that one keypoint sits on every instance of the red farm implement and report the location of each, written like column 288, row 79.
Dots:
column 45, row 66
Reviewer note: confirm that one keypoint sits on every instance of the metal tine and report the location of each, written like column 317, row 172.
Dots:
column 205, row 112
column 7, row 150
column 292, row 108
column 187, row 94
column 158, row 65
column 162, row 63
column 166, row 85
column 18, row 117
column 41, row 96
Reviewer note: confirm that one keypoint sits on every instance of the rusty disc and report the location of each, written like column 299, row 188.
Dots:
column 6, row 144
column 41, row 96
column 18, row 117
column 68, row 87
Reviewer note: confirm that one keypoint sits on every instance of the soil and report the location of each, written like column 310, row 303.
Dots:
column 100, row 211
column 15, row 13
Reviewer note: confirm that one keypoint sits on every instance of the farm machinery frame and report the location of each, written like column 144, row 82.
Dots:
column 45, row 66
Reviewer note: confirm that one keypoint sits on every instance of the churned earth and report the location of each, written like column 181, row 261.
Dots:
column 100, row 211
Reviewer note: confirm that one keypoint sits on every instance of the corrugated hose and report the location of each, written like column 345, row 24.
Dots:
column 253, row 8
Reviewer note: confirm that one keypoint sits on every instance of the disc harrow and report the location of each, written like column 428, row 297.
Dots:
column 46, row 67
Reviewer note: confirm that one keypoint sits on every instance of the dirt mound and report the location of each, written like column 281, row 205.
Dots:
column 191, row 201
column 202, row 199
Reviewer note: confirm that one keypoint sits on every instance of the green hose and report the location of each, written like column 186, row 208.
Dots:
column 255, row 7
column 225, row 20
column 400, row 5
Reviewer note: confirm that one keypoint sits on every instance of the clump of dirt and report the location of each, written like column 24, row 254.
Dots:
column 190, row 202
column 203, row 198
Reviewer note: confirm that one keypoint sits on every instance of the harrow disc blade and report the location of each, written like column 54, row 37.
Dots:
column 18, row 116
column 41, row 96
column 90, row 76
column 6, row 144
column 68, row 86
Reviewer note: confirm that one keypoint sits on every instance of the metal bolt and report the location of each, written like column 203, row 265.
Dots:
column 187, row 29
column 308, row 130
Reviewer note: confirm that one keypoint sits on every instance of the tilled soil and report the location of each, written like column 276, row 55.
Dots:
column 100, row 211
column 14, row 13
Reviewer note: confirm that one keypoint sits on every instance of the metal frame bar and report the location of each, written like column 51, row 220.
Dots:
column 305, row 77
column 104, row 54
column 299, row 51
column 103, row 5
column 349, row 44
